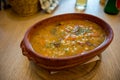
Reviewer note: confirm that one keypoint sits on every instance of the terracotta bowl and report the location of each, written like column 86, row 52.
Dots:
column 71, row 61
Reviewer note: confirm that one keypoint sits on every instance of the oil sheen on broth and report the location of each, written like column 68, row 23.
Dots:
column 66, row 38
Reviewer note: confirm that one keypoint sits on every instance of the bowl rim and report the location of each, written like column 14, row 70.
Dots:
column 105, row 43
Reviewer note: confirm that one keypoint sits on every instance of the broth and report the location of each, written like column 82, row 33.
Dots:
column 66, row 38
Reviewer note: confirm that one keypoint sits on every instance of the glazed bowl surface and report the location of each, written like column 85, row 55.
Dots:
column 50, row 63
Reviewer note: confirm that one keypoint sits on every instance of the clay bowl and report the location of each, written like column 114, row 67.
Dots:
column 71, row 61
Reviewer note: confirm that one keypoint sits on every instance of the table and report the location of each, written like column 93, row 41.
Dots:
column 15, row 66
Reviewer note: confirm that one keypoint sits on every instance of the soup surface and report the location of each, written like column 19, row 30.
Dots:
column 66, row 38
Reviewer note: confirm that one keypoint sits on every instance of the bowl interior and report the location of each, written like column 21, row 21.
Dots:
column 72, row 16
